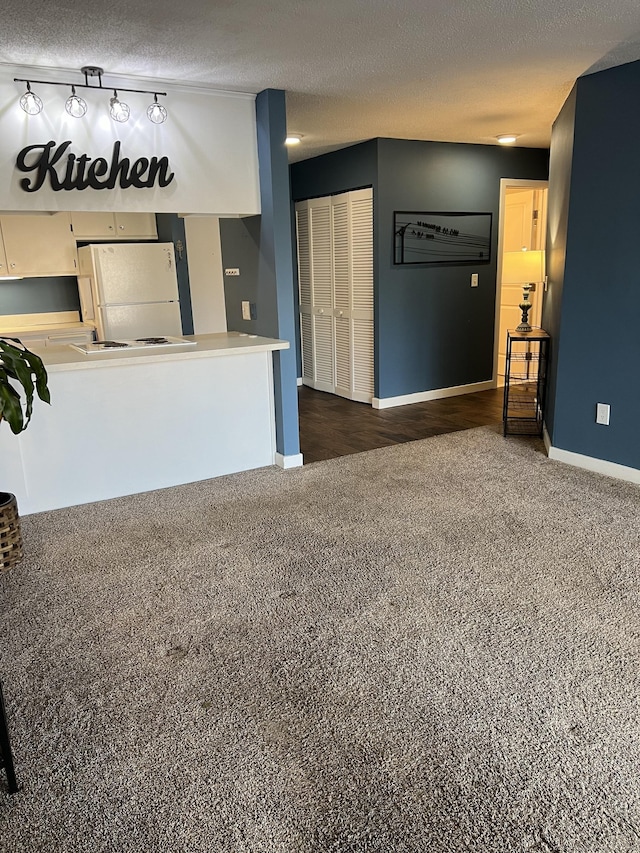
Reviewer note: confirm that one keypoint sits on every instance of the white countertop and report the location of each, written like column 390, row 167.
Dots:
column 66, row 357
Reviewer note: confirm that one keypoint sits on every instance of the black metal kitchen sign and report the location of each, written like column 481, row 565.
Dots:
column 66, row 171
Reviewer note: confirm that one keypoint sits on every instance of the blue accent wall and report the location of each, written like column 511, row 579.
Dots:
column 347, row 169
column 240, row 243
column 432, row 330
column 598, row 344
column 39, row 295
column 556, row 243
column 171, row 229
column 275, row 305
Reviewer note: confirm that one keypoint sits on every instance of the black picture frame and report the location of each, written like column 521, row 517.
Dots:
column 441, row 237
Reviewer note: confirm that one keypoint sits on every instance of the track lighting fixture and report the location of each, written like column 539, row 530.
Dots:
column 30, row 102
column 77, row 106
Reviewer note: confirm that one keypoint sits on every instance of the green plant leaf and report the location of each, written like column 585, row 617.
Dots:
column 27, row 371
column 39, row 371
column 10, row 407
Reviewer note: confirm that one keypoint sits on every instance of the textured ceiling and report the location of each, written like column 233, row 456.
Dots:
column 352, row 69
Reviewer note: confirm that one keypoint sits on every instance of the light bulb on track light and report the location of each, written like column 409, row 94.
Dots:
column 30, row 102
column 75, row 106
column 118, row 110
column 156, row 113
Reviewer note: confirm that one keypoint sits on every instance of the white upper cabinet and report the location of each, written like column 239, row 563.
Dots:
column 38, row 245
column 114, row 226
column 3, row 259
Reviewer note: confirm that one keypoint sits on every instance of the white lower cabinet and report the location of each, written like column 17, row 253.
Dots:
column 335, row 268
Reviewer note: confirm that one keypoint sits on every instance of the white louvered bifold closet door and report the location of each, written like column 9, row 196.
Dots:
column 335, row 263
column 341, row 293
column 321, row 293
column 304, row 284
column 361, row 245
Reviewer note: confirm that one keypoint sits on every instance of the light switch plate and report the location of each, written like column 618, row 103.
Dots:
column 474, row 279
column 603, row 413
column 246, row 310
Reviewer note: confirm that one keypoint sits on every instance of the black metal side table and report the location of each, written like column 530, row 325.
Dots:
column 525, row 382
column 6, row 758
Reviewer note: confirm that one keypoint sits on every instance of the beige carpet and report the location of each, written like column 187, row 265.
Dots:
column 432, row 647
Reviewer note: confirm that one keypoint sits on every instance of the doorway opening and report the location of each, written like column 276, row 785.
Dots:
column 522, row 228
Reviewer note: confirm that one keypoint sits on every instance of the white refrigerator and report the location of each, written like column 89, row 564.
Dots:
column 129, row 290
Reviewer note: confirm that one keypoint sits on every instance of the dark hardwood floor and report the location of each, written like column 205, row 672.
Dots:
column 331, row 426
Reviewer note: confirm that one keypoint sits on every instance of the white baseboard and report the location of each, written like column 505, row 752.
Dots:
column 299, row 380
column 590, row 463
column 294, row 461
column 436, row 394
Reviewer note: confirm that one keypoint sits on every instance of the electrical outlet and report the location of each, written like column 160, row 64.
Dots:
column 232, row 271
column 474, row 279
column 603, row 413
column 246, row 310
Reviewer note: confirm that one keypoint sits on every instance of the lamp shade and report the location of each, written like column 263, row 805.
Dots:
column 522, row 267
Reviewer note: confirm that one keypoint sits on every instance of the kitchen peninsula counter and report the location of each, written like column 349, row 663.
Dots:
column 128, row 421
column 206, row 346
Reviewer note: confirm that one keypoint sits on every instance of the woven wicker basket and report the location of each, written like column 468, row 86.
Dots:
column 10, row 536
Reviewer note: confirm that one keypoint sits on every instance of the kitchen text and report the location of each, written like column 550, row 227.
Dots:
column 73, row 172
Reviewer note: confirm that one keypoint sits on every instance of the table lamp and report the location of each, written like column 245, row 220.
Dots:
column 526, row 267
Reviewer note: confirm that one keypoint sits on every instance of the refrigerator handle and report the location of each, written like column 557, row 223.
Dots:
column 169, row 259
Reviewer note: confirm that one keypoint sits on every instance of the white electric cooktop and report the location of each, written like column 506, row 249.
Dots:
column 139, row 343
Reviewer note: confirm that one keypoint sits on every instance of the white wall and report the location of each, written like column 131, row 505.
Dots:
column 209, row 138
column 205, row 274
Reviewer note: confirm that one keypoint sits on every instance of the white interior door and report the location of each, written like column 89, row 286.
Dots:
column 523, row 226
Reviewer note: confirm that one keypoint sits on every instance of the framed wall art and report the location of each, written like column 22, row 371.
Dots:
column 436, row 237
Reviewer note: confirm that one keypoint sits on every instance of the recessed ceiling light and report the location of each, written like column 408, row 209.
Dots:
column 507, row 138
column 293, row 139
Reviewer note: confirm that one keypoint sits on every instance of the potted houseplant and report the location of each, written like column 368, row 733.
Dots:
column 22, row 376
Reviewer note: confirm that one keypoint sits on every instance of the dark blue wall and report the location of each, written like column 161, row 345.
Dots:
column 171, row 229
column 240, row 242
column 275, row 305
column 599, row 343
column 39, row 295
column 432, row 330
column 556, row 243
column 347, row 169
